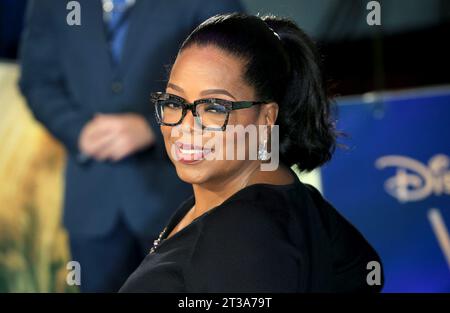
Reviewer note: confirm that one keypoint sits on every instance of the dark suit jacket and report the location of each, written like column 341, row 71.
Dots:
column 67, row 77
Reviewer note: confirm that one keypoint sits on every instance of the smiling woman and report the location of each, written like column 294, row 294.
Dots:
column 245, row 229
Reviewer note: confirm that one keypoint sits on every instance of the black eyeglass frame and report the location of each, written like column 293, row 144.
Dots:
column 228, row 104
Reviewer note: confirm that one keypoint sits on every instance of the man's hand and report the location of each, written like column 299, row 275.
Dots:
column 115, row 136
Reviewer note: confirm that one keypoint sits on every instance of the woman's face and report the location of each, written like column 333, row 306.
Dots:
column 208, row 72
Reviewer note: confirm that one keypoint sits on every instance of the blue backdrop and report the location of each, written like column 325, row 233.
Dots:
column 393, row 173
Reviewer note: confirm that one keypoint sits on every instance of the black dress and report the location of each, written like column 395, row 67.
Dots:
column 264, row 238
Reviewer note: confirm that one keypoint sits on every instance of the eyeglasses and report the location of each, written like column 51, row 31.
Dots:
column 211, row 113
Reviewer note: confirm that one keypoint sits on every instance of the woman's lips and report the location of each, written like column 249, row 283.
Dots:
column 188, row 153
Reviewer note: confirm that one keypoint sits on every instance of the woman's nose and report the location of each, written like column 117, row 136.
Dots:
column 188, row 124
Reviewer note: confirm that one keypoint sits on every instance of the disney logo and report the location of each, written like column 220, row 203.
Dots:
column 413, row 180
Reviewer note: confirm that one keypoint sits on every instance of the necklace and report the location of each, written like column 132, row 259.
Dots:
column 158, row 241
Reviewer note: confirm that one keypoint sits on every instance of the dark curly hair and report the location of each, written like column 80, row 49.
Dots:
column 284, row 67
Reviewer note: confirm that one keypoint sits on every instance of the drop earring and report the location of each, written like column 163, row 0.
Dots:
column 263, row 154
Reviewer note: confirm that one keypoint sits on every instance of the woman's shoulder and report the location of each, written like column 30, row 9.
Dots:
column 260, row 207
column 245, row 246
column 255, row 218
column 256, row 203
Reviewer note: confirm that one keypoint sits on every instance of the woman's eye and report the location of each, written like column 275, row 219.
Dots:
column 173, row 105
column 216, row 109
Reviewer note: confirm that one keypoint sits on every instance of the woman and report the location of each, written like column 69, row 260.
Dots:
column 247, row 229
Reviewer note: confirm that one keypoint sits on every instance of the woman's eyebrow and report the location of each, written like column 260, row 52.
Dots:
column 204, row 92
column 175, row 87
column 216, row 91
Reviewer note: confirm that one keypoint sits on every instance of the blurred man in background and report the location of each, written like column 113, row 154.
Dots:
column 89, row 85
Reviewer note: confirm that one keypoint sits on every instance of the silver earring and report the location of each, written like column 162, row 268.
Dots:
column 263, row 154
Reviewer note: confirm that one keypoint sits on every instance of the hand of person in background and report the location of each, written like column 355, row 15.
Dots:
column 115, row 136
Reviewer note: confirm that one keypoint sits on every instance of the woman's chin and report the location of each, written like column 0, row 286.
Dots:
column 191, row 174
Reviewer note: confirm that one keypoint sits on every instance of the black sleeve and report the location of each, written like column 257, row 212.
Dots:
column 164, row 278
column 243, row 249
column 351, row 251
column 353, row 255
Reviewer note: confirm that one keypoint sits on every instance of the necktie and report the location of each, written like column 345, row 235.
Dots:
column 116, row 13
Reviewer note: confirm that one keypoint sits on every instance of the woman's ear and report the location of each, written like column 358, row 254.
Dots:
column 269, row 113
